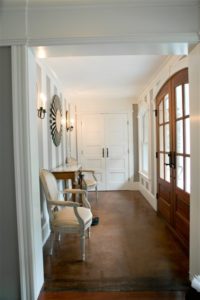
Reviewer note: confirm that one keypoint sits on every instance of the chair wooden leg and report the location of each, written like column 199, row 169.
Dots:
column 96, row 193
column 88, row 233
column 83, row 246
column 51, row 243
column 59, row 236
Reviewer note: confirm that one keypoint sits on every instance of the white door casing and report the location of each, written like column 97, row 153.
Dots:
column 104, row 148
column 27, row 172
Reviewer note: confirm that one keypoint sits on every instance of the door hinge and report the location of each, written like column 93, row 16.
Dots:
column 156, row 195
column 128, row 151
column 156, row 112
column 128, row 123
column 156, row 154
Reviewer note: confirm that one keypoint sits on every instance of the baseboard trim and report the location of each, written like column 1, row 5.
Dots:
column 133, row 186
column 149, row 197
column 130, row 186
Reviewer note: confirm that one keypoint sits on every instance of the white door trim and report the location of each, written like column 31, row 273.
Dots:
column 27, row 191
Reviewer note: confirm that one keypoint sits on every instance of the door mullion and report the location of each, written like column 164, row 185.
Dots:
column 173, row 150
column 184, row 150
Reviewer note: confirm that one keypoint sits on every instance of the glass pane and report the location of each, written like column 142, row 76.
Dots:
column 187, row 102
column 161, row 165
column 167, row 138
column 160, row 108
column 179, row 103
column 145, row 127
column 179, row 172
column 187, row 174
column 166, row 108
column 145, row 158
column 167, row 168
column 161, row 138
column 187, row 136
column 179, row 136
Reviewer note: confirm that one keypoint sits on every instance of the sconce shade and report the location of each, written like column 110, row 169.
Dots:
column 41, row 112
column 69, row 126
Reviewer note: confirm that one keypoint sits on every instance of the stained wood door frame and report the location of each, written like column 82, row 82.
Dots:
column 173, row 201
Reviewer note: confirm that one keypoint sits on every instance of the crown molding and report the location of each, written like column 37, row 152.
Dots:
column 140, row 39
column 112, row 3
column 184, row 39
column 47, row 4
column 13, row 42
column 109, row 39
column 13, row 5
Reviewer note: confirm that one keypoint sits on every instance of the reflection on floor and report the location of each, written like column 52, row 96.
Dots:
column 130, row 249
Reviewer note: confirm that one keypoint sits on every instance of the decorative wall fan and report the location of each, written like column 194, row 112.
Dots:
column 55, row 120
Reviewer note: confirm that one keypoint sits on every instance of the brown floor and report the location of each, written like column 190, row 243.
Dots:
column 112, row 296
column 130, row 250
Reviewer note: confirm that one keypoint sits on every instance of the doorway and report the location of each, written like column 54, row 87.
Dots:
column 173, row 154
column 36, row 166
column 104, row 147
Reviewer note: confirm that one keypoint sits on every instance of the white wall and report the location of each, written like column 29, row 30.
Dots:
column 50, row 156
column 194, row 79
column 118, row 20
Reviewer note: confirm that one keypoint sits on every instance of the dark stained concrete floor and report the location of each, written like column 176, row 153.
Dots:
column 112, row 295
column 131, row 249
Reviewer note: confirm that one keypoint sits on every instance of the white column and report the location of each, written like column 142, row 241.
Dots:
column 27, row 172
column 194, row 79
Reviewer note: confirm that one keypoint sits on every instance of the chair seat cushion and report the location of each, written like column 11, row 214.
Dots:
column 66, row 217
column 90, row 182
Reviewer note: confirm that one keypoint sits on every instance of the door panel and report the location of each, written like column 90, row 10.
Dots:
column 164, row 203
column 105, row 148
column 173, row 147
column 181, row 148
column 116, row 142
column 92, row 146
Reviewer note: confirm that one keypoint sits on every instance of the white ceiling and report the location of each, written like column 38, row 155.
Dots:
column 120, row 77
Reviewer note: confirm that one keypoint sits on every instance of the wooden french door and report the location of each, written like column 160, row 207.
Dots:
column 173, row 154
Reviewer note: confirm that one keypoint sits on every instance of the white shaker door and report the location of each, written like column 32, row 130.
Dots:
column 92, row 146
column 104, row 148
column 116, row 151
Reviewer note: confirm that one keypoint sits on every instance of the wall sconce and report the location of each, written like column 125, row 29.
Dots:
column 69, row 123
column 41, row 110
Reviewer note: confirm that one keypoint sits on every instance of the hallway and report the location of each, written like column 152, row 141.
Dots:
column 130, row 250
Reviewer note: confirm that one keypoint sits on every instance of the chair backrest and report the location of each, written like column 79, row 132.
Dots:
column 49, row 185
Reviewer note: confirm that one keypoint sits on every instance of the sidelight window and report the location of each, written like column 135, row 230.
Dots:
column 145, row 140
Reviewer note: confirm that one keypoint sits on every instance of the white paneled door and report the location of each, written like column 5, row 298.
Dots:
column 104, row 148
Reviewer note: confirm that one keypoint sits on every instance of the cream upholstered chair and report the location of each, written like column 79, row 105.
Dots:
column 66, row 216
column 89, row 181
